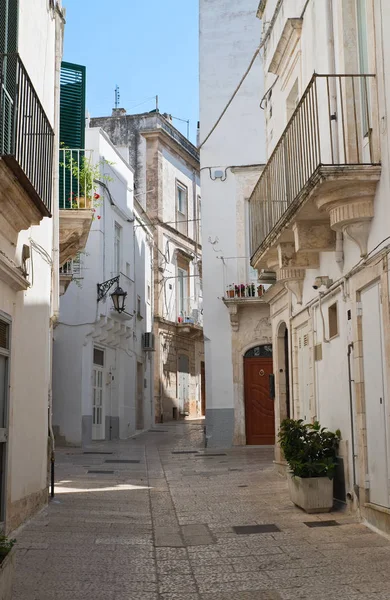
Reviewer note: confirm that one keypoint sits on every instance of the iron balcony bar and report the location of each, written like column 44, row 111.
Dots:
column 26, row 136
column 334, row 124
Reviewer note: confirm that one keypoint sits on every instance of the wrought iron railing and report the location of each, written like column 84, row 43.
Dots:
column 26, row 136
column 77, row 187
column 335, row 123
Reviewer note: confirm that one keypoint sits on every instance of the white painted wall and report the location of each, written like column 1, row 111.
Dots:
column 83, row 321
column 229, row 35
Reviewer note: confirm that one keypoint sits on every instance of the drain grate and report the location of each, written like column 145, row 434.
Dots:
column 185, row 452
column 250, row 529
column 209, row 455
column 242, row 486
column 122, row 462
column 101, row 472
column 321, row 523
column 98, row 453
column 157, row 431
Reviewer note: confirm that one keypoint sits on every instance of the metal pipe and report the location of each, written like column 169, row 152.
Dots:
column 350, row 349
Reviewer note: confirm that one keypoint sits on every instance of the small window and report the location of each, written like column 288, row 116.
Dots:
column 333, row 321
column 139, row 315
column 181, row 208
column 149, row 293
column 98, row 357
column 117, row 249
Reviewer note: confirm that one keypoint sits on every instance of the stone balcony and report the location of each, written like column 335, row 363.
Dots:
column 320, row 180
column 26, row 151
column 238, row 296
column 76, row 202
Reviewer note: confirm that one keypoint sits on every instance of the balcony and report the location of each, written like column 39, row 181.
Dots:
column 26, row 150
column 191, row 323
column 77, row 198
column 320, row 179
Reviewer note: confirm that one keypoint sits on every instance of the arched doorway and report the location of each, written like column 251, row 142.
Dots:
column 283, row 387
column 259, row 406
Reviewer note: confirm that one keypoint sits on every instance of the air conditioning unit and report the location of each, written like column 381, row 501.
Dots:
column 148, row 341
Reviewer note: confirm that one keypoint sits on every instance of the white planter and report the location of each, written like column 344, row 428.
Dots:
column 7, row 568
column 313, row 494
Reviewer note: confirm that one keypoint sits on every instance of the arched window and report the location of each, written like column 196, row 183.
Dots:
column 264, row 351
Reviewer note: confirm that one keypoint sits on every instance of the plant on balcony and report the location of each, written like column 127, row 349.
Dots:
column 260, row 290
column 311, row 453
column 86, row 174
column 250, row 290
column 240, row 290
column 230, row 291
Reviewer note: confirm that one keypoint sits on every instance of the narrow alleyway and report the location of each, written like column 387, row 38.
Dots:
column 153, row 518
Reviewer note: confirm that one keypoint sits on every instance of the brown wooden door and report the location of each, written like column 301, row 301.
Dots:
column 259, row 406
column 203, row 388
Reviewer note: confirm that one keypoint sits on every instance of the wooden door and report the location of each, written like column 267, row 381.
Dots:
column 259, row 406
column 203, row 388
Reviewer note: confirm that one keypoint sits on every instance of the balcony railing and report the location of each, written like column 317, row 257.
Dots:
column 334, row 124
column 77, row 188
column 244, row 290
column 26, row 136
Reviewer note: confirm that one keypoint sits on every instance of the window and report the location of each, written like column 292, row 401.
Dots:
column 333, row 321
column 139, row 314
column 149, row 293
column 199, row 217
column 181, row 208
column 292, row 100
column 98, row 357
column 182, row 285
column 117, row 249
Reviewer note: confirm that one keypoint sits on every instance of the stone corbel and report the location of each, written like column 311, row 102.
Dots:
column 354, row 220
column 313, row 236
column 234, row 318
column 288, row 257
column 293, row 281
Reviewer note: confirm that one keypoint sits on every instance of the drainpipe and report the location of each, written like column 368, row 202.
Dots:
column 355, row 487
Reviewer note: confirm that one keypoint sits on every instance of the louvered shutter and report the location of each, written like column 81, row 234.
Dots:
column 72, row 120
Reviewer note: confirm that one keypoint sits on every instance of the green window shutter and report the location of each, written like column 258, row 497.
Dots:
column 72, row 124
column 8, row 26
column 72, row 105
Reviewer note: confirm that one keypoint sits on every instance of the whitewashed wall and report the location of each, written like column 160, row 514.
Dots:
column 229, row 35
column 80, row 315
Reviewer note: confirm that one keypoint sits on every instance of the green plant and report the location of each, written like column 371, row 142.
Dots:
column 86, row 175
column 6, row 545
column 309, row 449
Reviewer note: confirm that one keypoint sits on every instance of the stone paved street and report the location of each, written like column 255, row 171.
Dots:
column 161, row 528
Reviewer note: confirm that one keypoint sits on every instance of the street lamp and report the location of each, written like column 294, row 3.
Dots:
column 118, row 298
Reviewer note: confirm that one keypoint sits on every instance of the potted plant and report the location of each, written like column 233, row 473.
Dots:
column 230, row 291
column 7, row 567
column 260, row 290
column 86, row 174
column 311, row 453
column 250, row 290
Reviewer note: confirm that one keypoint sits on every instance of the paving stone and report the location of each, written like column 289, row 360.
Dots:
column 175, row 540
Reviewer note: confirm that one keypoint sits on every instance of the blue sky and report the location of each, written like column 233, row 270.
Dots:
column 147, row 47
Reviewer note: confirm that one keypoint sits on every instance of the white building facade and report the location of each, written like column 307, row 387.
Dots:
column 320, row 220
column 167, row 185
column 29, row 250
column 103, row 377
column 236, row 318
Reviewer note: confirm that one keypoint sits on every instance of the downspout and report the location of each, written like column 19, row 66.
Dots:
column 355, row 487
column 340, row 249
